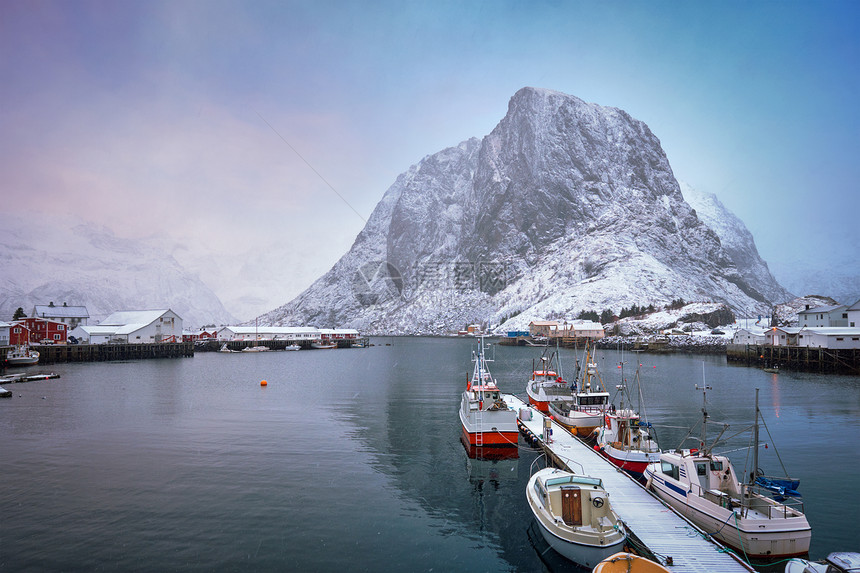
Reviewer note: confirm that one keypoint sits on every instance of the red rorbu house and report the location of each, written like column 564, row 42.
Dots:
column 44, row 330
column 19, row 335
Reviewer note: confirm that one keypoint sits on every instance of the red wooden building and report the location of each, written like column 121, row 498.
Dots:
column 44, row 330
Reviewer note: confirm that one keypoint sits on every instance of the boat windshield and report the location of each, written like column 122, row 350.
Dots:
column 574, row 479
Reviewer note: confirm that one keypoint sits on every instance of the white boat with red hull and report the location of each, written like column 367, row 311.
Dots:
column 485, row 418
column 626, row 439
column 546, row 385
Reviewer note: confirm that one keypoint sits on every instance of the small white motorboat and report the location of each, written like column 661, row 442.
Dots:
column 256, row 349
column 574, row 516
column 840, row 562
column 22, row 356
column 292, row 347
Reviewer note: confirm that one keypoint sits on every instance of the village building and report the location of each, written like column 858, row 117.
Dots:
column 546, row 328
column 823, row 316
column 133, row 327
column 750, row 335
column 336, row 334
column 94, row 334
column 72, row 316
column 830, row 337
column 566, row 329
column 289, row 333
column 4, row 333
column 853, row 312
column 199, row 335
column 45, row 331
column 19, row 334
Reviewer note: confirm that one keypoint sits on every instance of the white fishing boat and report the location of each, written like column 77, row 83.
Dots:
column 626, row 439
column 323, row 345
column 226, row 349
column 839, row 562
column 485, row 418
column 546, row 385
column 22, row 356
column 256, row 349
column 574, row 516
column 292, row 347
column 582, row 412
column 703, row 487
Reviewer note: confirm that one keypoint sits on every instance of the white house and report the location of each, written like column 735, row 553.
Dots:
column 823, row 316
column 70, row 315
column 94, row 334
column 290, row 333
column 853, row 312
column 4, row 333
column 782, row 335
column 135, row 327
column 750, row 335
column 831, row 337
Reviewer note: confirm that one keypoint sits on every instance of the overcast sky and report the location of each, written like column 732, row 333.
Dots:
column 234, row 120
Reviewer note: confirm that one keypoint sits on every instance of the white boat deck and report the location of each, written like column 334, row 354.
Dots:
column 663, row 531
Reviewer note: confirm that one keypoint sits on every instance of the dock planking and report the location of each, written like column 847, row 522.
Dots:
column 664, row 532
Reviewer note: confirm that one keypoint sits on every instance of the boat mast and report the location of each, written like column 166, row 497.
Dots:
column 755, row 441
column 704, row 439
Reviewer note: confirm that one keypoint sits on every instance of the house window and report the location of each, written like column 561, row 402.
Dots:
column 16, row 330
column 840, row 339
column 56, row 337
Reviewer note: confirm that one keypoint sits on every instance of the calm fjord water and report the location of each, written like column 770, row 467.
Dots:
column 349, row 460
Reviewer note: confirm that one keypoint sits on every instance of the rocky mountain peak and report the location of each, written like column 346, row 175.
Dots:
column 564, row 206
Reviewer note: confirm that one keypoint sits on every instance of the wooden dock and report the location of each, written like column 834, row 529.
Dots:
column 54, row 353
column 668, row 536
column 829, row 360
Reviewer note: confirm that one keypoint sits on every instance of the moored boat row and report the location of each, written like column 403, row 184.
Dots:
column 698, row 484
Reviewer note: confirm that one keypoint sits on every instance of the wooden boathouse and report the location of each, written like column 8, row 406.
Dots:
column 810, row 359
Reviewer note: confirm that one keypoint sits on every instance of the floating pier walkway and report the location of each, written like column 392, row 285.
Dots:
column 664, row 532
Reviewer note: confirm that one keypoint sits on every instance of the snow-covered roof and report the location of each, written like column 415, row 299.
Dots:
column 97, row 330
column 271, row 329
column 855, row 306
column 584, row 325
column 822, row 309
column 834, row 330
column 61, row 311
column 139, row 317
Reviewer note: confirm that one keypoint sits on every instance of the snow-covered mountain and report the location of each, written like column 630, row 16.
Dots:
column 736, row 240
column 565, row 206
column 65, row 260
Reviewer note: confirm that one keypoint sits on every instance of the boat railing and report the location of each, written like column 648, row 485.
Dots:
column 761, row 501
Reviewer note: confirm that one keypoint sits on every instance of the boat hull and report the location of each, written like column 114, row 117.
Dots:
column 22, row 361
column 634, row 462
column 628, row 563
column 581, row 554
column 763, row 538
column 495, row 439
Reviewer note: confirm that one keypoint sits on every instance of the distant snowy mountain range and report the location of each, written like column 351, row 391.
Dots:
column 565, row 206
column 60, row 259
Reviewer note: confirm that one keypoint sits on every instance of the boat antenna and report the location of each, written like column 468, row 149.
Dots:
column 704, row 388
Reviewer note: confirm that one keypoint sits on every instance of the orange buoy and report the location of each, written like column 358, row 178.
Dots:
column 263, row 383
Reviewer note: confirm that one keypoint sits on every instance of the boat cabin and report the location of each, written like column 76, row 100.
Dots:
column 579, row 500
column 711, row 477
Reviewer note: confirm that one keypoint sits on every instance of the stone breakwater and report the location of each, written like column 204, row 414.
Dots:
column 674, row 343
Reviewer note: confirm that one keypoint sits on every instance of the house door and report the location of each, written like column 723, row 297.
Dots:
column 571, row 505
